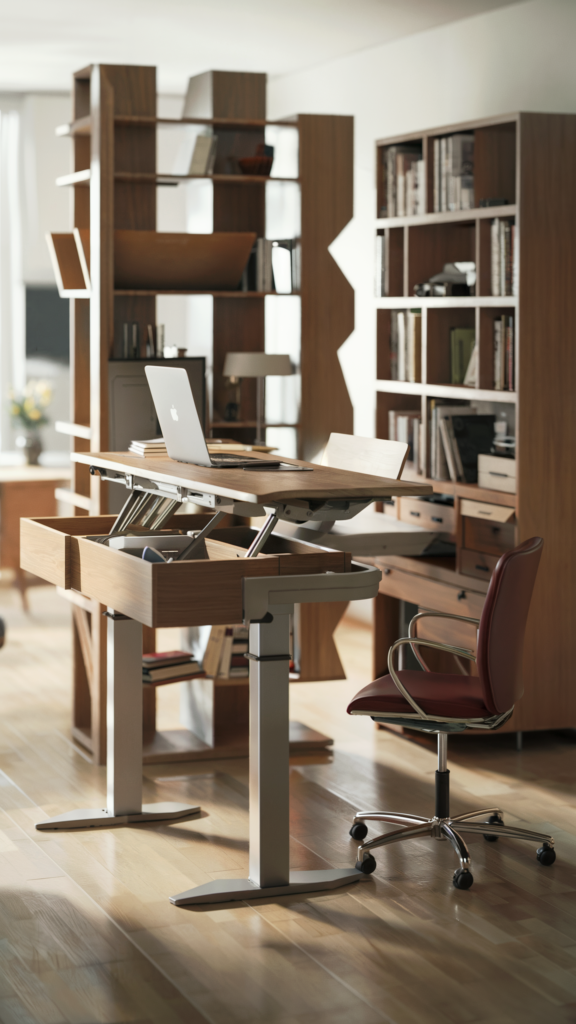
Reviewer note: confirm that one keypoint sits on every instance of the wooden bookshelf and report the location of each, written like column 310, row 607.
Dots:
column 114, row 181
column 530, row 161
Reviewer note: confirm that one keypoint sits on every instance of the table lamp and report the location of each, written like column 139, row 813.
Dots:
column 259, row 365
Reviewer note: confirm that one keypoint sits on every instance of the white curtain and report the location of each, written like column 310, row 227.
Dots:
column 12, row 292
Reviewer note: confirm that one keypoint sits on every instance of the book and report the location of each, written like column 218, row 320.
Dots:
column 160, row 659
column 504, row 362
column 503, row 257
column 406, row 426
column 414, row 346
column 448, row 450
column 381, row 280
column 462, row 342
column 439, row 467
column 403, row 181
column 471, row 375
column 213, row 652
column 203, row 156
column 453, row 161
column 474, row 435
column 168, row 667
column 285, row 266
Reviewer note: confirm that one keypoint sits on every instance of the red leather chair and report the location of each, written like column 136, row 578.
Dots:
column 438, row 702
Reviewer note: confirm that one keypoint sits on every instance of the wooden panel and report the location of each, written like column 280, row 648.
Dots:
column 147, row 259
column 430, row 594
column 326, row 152
column 383, row 367
column 495, row 163
column 319, row 658
column 18, row 500
column 66, row 264
column 80, row 386
column 238, row 327
column 386, row 630
column 140, row 309
column 238, row 208
column 430, row 247
column 238, row 94
column 427, row 515
column 395, row 261
column 486, row 512
column 440, row 323
column 45, row 552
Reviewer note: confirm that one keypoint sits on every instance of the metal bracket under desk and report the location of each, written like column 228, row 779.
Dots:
column 273, row 599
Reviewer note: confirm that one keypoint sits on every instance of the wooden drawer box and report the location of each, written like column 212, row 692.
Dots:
column 428, row 515
column 429, row 593
column 202, row 591
column 474, row 563
column 489, row 538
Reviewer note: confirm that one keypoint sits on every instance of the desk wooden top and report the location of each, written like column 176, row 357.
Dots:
column 257, row 486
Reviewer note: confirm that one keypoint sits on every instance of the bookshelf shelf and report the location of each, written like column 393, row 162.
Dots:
column 450, row 302
column 179, row 291
column 529, row 160
column 449, row 217
column 401, row 387
column 83, row 125
column 82, row 178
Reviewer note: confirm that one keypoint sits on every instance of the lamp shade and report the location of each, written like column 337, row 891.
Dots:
column 256, row 364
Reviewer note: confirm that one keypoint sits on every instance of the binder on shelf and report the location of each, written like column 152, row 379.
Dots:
column 203, row 156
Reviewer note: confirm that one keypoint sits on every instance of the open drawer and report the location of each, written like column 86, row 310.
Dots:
column 204, row 590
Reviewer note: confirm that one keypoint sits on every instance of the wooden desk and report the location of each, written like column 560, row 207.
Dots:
column 24, row 491
column 221, row 585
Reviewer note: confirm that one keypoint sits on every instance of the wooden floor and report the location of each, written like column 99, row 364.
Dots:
column 87, row 933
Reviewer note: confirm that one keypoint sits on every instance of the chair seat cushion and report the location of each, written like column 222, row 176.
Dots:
column 437, row 693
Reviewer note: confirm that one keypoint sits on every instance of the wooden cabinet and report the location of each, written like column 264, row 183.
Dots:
column 525, row 164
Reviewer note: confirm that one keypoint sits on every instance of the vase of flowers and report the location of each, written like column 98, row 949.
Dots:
column 28, row 411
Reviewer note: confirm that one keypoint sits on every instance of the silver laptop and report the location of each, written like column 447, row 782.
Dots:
column 181, row 427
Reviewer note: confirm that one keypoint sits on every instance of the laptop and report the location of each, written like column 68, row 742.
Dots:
column 181, row 427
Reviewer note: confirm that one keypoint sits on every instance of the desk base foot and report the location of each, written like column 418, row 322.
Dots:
column 95, row 818
column 226, row 890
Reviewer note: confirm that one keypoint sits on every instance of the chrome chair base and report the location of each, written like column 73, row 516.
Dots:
column 449, row 828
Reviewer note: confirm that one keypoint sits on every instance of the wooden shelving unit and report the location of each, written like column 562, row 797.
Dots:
column 529, row 160
column 114, row 181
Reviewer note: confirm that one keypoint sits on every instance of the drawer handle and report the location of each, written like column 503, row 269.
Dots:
column 462, row 595
column 492, row 472
column 481, row 512
column 415, row 514
column 387, row 572
column 483, row 568
column 436, row 519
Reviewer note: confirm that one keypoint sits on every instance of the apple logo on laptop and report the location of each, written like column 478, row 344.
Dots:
column 174, row 413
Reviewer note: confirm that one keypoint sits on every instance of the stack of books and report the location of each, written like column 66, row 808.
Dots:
column 503, row 257
column 406, row 345
column 504, row 353
column 147, row 449
column 169, row 667
column 406, row 426
column 403, row 182
column 454, row 172
column 458, row 435
column 224, row 656
column 273, row 266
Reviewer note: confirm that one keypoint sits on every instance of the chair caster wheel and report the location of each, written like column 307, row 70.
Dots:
column 493, row 820
column 463, row 878
column 368, row 865
column 359, row 830
column 546, row 855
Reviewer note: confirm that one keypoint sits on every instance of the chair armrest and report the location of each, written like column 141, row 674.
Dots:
column 436, row 615
column 458, row 651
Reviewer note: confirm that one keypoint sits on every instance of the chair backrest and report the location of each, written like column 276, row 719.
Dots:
column 503, row 624
column 366, row 455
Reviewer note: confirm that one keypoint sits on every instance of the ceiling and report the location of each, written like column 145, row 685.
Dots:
column 43, row 41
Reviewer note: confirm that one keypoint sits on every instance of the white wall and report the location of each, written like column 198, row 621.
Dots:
column 517, row 58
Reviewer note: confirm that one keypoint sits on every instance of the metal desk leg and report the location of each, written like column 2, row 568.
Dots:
column 124, row 740
column 269, row 864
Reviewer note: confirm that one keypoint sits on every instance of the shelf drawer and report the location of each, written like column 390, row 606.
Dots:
column 428, row 515
column 474, row 563
column 202, row 591
column 428, row 593
column 488, row 538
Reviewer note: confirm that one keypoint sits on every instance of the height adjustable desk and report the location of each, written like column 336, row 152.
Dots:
column 230, row 575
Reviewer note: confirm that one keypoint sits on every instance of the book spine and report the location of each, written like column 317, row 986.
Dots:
column 213, row 652
column 378, row 268
column 392, row 425
column 502, row 254
column 447, row 448
column 224, row 666
column 443, row 206
column 497, row 346
column 391, row 180
column 514, row 260
column 495, row 256
column 511, row 347
column 459, row 468
column 393, row 346
column 400, row 186
column 436, row 175
column 402, row 366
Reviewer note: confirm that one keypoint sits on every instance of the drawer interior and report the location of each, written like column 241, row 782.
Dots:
column 206, row 589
